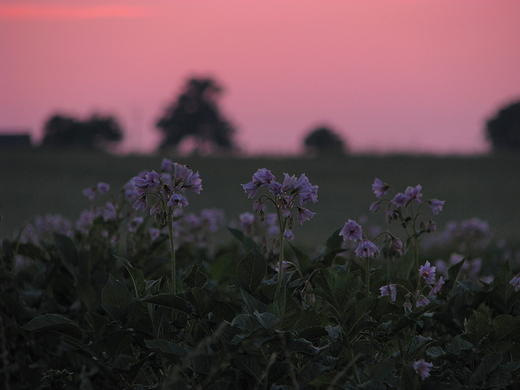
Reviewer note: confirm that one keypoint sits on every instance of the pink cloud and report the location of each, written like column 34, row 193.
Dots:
column 38, row 12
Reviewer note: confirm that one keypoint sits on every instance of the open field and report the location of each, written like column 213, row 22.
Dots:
column 488, row 187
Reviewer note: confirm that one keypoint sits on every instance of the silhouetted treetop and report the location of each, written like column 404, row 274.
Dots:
column 323, row 141
column 195, row 114
column 97, row 132
column 503, row 130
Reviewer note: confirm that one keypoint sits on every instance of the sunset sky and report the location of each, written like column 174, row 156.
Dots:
column 388, row 75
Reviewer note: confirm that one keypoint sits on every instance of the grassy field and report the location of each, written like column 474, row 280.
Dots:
column 488, row 187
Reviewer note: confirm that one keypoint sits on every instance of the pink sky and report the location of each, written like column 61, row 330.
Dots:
column 388, row 75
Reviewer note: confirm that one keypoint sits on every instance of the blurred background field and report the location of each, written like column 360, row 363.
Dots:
column 37, row 182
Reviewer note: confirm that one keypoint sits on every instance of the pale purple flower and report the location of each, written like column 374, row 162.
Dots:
column 129, row 190
column 154, row 233
column 374, row 207
column 437, row 287
column 90, row 193
column 366, row 248
column 103, row 188
column 258, row 207
column 427, row 272
column 193, row 182
column 414, row 193
column 289, row 182
column 422, row 368
column 400, row 199
column 288, row 235
column 398, row 245
column 166, row 165
column 351, row 231
column 380, row 188
column 389, row 289
column 251, row 189
column 436, row 205
column 422, row 301
column 515, row 282
column 285, row 266
column 134, row 224
column 246, row 219
column 263, row 177
column 150, row 181
column 140, row 204
column 308, row 194
column 109, row 212
column 275, row 188
column 177, row 200
column 304, row 215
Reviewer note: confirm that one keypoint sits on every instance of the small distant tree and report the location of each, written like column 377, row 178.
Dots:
column 503, row 130
column 97, row 132
column 195, row 114
column 323, row 141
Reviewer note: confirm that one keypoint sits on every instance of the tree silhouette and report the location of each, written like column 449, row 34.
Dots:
column 97, row 132
column 323, row 141
column 503, row 130
column 195, row 114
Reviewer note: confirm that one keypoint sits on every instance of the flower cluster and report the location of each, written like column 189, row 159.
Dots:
column 283, row 196
column 400, row 200
column 101, row 189
column 352, row 231
column 159, row 191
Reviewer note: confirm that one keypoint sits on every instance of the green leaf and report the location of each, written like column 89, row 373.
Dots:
column 505, row 327
column 252, row 269
column 200, row 301
column 56, row 323
column 246, row 322
column 477, row 327
column 246, row 241
column 167, row 349
column 97, row 324
column 286, row 309
column 136, row 275
column 303, row 258
column 251, row 304
column 170, row 300
column 66, row 248
column 487, row 366
column 453, row 274
column 115, row 298
column 193, row 277
column 267, row 320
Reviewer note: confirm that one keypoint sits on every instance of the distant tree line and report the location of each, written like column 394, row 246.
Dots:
column 195, row 114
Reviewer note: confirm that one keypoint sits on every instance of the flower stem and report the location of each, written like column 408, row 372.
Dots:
column 367, row 275
column 172, row 253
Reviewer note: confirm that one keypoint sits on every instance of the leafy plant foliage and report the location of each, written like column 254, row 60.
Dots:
column 93, row 307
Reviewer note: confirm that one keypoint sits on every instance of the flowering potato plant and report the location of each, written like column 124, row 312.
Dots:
column 137, row 295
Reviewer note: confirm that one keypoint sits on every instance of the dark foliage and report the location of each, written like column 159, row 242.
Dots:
column 323, row 141
column 97, row 132
column 195, row 114
column 504, row 129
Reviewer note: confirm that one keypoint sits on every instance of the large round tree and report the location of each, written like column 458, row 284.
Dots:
column 503, row 130
column 324, row 141
column 195, row 114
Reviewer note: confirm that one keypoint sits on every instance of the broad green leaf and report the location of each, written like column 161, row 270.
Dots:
column 477, row 327
column 56, row 323
column 136, row 275
column 303, row 258
column 267, row 320
column 167, row 349
column 173, row 301
column 97, row 323
column 487, row 366
column 115, row 297
column 251, row 304
column 246, row 322
column 246, row 241
column 200, row 301
column 252, row 269
column 193, row 277
column 505, row 327
column 286, row 309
